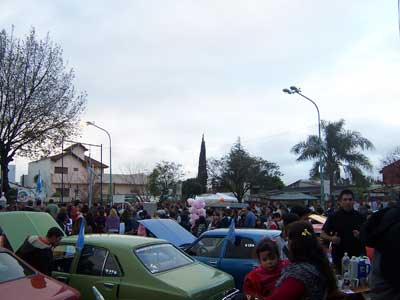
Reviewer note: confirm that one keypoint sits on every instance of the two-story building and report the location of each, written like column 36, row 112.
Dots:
column 72, row 173
column 67, row 173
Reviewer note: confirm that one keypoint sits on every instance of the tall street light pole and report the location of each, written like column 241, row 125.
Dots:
column 109, row 137
column 295, row 90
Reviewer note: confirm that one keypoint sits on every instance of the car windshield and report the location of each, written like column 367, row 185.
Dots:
column 159, row 258
column 11, row 268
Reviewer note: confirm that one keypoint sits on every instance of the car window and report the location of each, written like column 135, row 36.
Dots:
column 91, row 261
column 111, row 267
column 207, row 247
column 11, row 268
column 243, row 248
column 63, row 256
column 158, row 258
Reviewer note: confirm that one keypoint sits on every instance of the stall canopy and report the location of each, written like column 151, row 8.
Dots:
column 292, row 197
column 217, row 198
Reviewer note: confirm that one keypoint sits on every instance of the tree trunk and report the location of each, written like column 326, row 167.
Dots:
column 332, row 189
column 4, row 175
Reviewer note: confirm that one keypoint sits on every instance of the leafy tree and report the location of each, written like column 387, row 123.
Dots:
column 341, row 151
column 238, row 172
column 202, row 171
column 191, row 187
column 38, row 102
column 391, row 157
column 164, row 177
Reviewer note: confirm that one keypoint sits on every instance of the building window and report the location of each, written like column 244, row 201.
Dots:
column 60, row 170
column 65, row 194
column 76, row 169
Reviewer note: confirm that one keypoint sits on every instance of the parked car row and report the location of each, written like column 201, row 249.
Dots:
column 171, row 264
column 114, row 266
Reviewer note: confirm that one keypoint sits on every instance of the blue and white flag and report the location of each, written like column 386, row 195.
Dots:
column 230, row 236
column 39, row 183
column 81, row 236
column 231, row 232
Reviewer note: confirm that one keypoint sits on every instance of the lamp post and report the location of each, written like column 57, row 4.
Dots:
column 109, row 137
column 295, row 90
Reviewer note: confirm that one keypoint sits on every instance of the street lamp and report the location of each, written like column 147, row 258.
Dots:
column 109, row 137
column 295, row 90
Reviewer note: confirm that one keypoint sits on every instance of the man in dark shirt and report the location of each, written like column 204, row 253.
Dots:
column 37, row 250
column 342, row 229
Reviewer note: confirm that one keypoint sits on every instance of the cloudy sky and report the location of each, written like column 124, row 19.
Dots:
column 160, row 73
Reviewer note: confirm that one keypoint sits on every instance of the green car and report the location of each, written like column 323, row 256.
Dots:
column 131, row 267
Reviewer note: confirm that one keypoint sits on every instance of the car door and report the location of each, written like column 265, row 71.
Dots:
column 239, row 259
column 63, row 260
column 207, row 249
column 96, row 267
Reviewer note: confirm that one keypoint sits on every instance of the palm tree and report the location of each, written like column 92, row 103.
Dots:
column 341, row 153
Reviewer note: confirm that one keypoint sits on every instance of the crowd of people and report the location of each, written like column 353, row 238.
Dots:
column 294, row 266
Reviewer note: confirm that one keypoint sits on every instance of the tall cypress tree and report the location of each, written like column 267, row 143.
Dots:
column 202, row 171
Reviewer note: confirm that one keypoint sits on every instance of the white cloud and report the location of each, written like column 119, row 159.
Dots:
column 159, row 74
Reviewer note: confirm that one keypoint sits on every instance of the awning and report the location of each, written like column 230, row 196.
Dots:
column 169, row 230
column 292, row 197
column 17, row 226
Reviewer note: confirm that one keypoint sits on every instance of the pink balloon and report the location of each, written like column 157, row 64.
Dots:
column 190, row 201
column 198, row 204
column 201, row 212
column 194, row 217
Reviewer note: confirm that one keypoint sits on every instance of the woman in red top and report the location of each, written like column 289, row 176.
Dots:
column 260, row 282
column 309, row 275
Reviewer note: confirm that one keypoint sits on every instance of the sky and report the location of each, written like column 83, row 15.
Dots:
column 160, row 73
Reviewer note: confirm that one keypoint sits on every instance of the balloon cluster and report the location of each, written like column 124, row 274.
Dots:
column 196, row 209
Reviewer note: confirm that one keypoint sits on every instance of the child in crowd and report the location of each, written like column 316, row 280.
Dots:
column 274, row 224
column 260, row 282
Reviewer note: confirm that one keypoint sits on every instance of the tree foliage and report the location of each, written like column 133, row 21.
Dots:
column 38, row 102
column 191, row 187
column 238, row 172
column 164, row 178
column 391, row 157
column 341, row 152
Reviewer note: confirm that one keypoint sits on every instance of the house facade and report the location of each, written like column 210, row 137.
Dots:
column 75, row 175
column 391, row 173
column 66, row 174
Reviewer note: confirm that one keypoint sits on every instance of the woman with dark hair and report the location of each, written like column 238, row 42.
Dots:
column 309, row 276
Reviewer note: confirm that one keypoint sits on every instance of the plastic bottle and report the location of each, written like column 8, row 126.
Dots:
column 364, row 267
column 354, row 268
column 345, row 264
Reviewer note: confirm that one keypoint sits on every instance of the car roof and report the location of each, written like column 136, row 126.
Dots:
column 115, row 241
column 18, row 225
column 246, row 232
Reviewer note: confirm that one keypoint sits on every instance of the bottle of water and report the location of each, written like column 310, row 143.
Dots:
column 354, row 267
column 345, row 264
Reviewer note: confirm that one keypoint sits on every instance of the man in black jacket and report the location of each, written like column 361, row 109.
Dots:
column 37, row 251
column 342, row 229
column 381, row 232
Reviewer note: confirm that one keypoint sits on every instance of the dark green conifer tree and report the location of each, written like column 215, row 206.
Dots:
column 202, row 171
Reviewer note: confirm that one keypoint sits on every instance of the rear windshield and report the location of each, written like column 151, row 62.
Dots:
column 163, row 257
column 11, row 268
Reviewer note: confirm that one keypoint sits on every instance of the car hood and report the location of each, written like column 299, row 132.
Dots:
column 17, row 226
column 169, row 230
column 198, row 281
column 37, row 287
